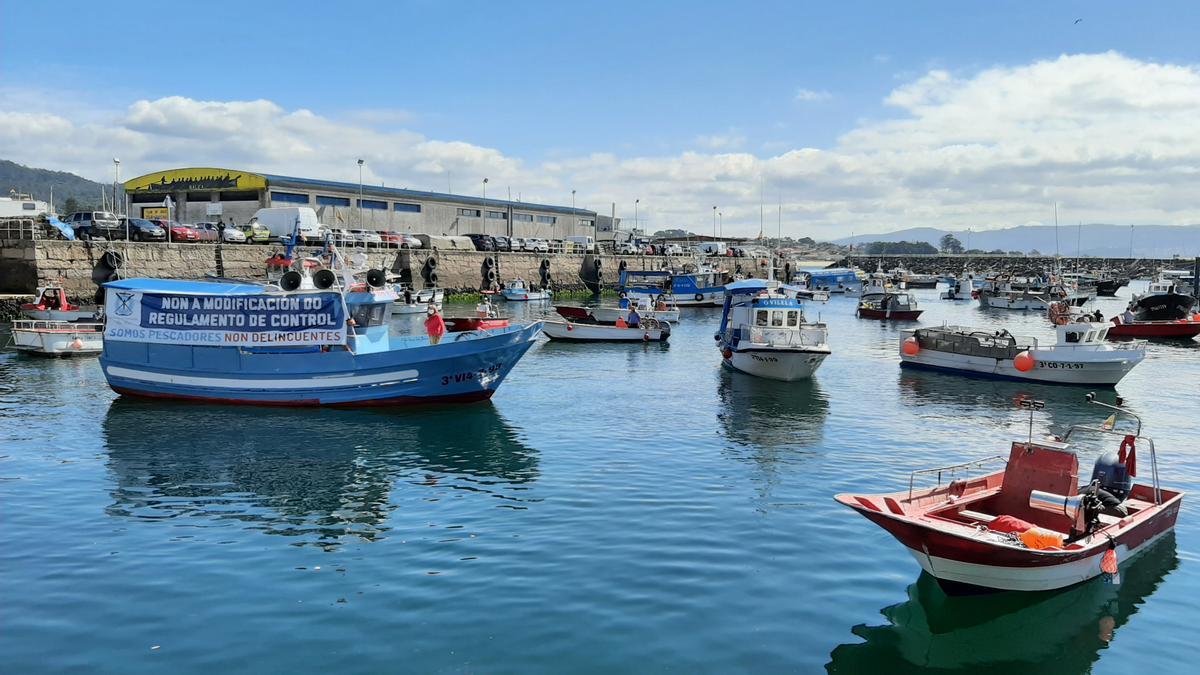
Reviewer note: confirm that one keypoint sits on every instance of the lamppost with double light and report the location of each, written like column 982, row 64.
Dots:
column 360, row 195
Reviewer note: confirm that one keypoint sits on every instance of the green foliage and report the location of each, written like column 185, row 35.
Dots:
column 899, row 248
column 37, row 182
column 951, row 244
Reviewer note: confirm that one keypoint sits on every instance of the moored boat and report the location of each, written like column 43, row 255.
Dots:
column 240, row 342
column 57, row 338
column 1163, row 301
column 1080, row 355
column 691, row 286
column 519, row 290
column 889, row 307
column 765, row 333
column 648, row 330
column 416, row 301
column 51, row 304
column 1032, row 525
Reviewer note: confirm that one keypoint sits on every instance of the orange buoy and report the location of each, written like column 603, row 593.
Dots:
column 77, row 344
column 728, row 353
column 1024, row 362
column 911, row 347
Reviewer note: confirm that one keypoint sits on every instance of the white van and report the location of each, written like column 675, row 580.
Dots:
column 586, row 243
column 712, row 248
column 281, row 220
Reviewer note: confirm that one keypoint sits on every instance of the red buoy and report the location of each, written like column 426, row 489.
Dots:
column 911, row 347
column 1024, row 362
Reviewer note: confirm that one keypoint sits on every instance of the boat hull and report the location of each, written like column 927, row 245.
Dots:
column 890, row 314
column 64, row 340
column 705, row 297
column 59, row 314
column 458, row 370
column 1162, row 330
column 611, row 314
column 777, row 364
column 960, row 563
column 589, row 332
column 1048, row 370
column 519, row 295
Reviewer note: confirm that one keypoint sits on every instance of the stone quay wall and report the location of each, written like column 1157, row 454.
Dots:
column 26, row 264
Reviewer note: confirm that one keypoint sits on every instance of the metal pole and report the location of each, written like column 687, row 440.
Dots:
column 574, row 219
column 1131, row 242
column 635, row 214
column 360, row 195
column 714, row 223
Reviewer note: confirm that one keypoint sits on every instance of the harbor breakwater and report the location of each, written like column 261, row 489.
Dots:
column 80, row 265
column 960, row 263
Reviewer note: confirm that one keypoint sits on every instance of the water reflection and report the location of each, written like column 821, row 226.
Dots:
column 320, row 475
column 1004, row 632
column 769, row 414
column 973, row 398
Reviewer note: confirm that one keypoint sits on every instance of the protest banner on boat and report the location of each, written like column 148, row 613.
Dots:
column 250, row 320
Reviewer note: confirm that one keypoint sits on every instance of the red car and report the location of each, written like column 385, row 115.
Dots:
column 390, row 239
column 177, row 232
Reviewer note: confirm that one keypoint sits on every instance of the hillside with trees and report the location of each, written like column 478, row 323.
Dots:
column 71, row 192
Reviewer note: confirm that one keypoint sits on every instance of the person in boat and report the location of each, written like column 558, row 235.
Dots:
column 634, row 319
column 1098, row 316
column 434, row 325
column 1128, row 317
column 623, row 303
column 408, row 296
column 661, row 306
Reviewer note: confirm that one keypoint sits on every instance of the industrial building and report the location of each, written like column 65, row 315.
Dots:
column 204, row 194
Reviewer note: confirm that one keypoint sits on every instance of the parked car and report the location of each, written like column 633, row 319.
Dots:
column 389, row 239
column 95, row 225
column 341, row 236
column 517, row 244
column 502, row 243
column 366, row 237
column 673, row 249
column 140, row 229
column 409, row 240
column 282, row 221
column 256, row 232
column 627, row 248
column 537, row 245
column 482, row 242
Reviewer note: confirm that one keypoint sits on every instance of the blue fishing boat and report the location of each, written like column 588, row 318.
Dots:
column 833, row 280
column 314, row 344
column 690, row 287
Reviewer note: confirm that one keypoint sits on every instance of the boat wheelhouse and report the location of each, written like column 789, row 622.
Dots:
column 765, row 333
column 51, row 304
column 1080, row 356
column 1163, row 301
column 832, row 280
column 1035, row 524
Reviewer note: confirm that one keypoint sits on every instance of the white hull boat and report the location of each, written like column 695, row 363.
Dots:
column 58, row 338
column 611, row 314
column 520, row 291
column 764, row 333
column 649, row 331
column 1081, row 356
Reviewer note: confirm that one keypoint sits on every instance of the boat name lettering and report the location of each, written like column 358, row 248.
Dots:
column 470, row 375
column 1057, row 364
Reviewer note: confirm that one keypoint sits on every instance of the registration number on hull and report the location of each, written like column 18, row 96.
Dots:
column 1062, row 365
column 484, row 375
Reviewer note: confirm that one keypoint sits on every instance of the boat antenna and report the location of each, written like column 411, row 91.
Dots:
column 1031, row 405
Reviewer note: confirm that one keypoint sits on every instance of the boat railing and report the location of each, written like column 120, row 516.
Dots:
column 808, row 335
column 952, row 471
column 44, row 324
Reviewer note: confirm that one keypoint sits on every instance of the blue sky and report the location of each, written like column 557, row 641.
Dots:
column 541, row 82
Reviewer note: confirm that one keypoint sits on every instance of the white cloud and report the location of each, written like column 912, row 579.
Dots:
column 812, row 96
column 1110, row 138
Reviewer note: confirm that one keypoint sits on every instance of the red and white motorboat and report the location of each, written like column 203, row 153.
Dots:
column 1178, row 329
column 51, row 304
column 1032, row 526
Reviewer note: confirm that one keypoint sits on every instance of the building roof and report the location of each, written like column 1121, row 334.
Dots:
column 211, row 178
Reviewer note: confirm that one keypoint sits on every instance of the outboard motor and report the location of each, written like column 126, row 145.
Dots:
column 1112, row 475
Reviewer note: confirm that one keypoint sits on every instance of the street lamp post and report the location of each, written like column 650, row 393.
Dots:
column 635, row 214
column 714, row 222
column 721, row 223
column 574, row 219
column 116, row 182
column 485, row 190
column 360, row 195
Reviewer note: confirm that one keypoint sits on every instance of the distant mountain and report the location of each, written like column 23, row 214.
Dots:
column 1149, row 241
column 37, row 182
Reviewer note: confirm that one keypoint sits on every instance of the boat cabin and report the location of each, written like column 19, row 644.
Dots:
column 370, row 314
column 1082, row 334
column 756, row 314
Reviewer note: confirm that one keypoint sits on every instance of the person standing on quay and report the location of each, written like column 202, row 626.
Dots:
column 434, row 325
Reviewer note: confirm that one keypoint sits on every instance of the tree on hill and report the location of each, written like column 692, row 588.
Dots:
column 951, row 244
column 673, row 233
column 899, row 248
column 38, row 182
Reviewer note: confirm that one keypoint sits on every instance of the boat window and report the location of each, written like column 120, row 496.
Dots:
column 368, row 314
column 1102, row 334
column 760, row 317
column 776, row 319
column 1073, row 336
column 793, row 318
column 1091, row 336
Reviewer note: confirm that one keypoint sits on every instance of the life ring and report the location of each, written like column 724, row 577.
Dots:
column 699, row 297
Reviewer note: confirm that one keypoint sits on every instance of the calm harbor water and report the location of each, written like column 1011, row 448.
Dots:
column 613, row 508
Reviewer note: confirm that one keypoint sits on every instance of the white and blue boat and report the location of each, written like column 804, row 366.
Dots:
column 519, row 290
column 833, row 280
column 691, row 287
column 243, row 342
column 764, row 332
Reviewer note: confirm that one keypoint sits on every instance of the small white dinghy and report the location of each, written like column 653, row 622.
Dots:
column 58, row 338
column 650, row 330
